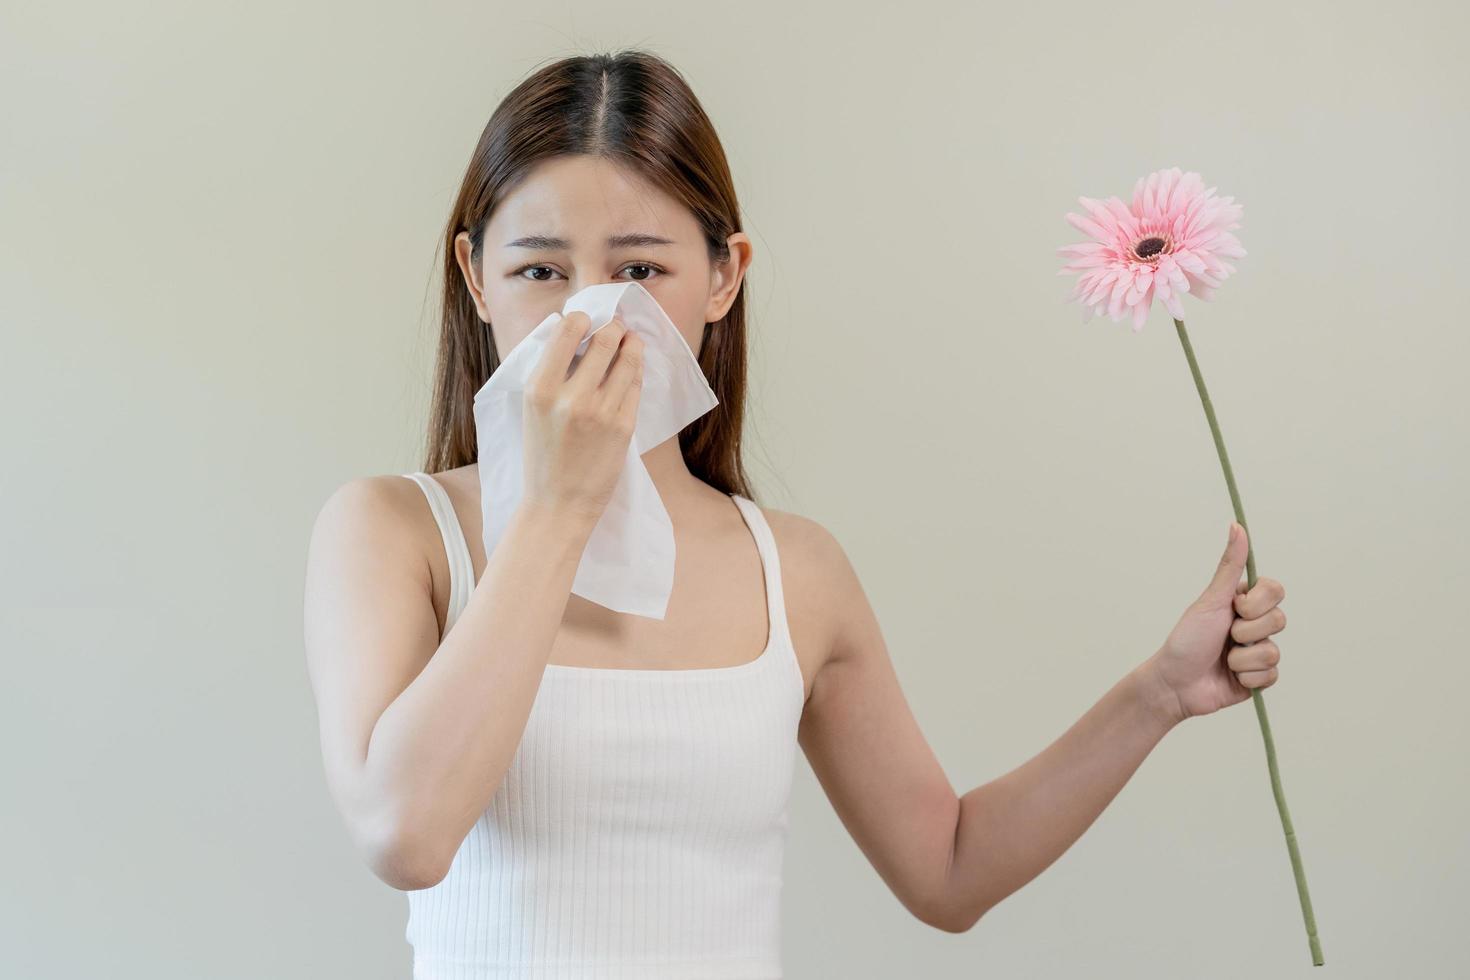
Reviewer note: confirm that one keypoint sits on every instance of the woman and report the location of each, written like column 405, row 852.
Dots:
column 557, row 785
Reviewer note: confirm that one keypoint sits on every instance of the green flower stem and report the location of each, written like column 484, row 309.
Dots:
column 1256, row 696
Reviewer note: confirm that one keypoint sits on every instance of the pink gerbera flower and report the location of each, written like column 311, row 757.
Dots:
column 1173, row 239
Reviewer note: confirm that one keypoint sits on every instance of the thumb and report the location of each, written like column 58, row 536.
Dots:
column 1221, row 590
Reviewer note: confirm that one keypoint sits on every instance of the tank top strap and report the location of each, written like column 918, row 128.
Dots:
column 456, row 547
column 765, row 543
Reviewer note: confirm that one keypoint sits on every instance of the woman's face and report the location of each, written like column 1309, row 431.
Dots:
column 580, row 220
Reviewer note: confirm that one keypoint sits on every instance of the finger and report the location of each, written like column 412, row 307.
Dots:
column 588, row 374
column 1255, row 656
column 1251, row 630
column 1257, row 678
column 557, row 357
column 627, row 364
column 1254, row 603
column 1227, row 572
column 633, row 390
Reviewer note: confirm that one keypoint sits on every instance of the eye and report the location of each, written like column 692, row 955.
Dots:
column 526, row 268
column 643, row 265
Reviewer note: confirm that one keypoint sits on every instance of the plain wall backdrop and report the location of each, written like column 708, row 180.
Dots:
column 218, row 296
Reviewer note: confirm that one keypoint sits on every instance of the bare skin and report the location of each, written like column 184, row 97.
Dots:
column 409, row 717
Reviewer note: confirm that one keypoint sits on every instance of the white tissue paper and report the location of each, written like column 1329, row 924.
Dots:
column 628, row 564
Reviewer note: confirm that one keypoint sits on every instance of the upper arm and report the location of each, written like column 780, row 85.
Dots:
column 866, row 748
column 370, row 628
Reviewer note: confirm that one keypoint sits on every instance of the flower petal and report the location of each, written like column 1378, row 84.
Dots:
column 1101, row 215
column 1189, row 261
column 1175, row 307
column 1115, row 301
column 1088, row 227
column 1140, row 316
column 1127, row 220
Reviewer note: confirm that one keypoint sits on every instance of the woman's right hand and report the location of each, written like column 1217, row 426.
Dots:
column 576, row 426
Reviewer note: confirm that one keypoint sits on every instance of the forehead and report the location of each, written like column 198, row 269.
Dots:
column 585, row 198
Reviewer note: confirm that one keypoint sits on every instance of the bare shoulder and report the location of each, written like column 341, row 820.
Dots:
column 809, row 543
column 378, row 510
column 818, row 582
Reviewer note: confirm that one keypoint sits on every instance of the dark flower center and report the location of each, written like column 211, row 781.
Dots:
column 1148, row 248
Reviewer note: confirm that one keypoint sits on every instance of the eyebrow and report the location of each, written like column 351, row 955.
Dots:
column 633, row 239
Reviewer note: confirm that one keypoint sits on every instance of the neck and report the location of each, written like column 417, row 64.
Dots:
column 670, row 474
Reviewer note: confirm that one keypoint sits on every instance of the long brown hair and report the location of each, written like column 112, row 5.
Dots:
column 635, row 109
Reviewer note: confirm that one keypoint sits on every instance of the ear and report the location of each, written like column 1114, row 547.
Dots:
column 726, row 276
column 462, row 248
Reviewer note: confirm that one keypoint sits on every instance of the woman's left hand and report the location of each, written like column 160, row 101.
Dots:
column 1221, row 648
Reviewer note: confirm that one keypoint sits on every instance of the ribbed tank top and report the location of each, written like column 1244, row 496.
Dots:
column 640, row 829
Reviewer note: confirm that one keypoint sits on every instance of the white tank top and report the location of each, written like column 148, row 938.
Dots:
column 640, row 829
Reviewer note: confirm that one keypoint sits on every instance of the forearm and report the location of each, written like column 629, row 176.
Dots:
column 1012, row 828
column 442, row 747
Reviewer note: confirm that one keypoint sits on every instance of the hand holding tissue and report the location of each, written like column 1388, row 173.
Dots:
column 628, row 564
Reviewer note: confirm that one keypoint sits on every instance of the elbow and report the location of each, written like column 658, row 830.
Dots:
column 948, row 917
column 406, row 870
column 405, row 858
column 954, row 922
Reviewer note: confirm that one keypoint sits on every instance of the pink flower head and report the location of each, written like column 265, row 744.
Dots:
column 1173, row 239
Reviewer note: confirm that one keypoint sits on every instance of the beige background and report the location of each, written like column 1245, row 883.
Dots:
column 217, row 295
